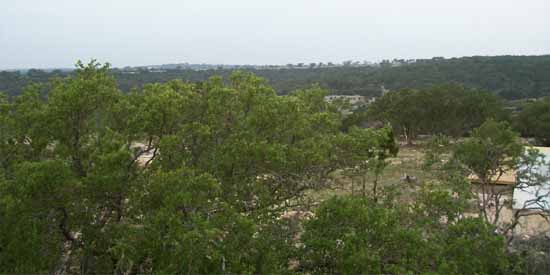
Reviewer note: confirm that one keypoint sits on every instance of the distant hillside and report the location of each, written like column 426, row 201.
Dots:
column 512, row 77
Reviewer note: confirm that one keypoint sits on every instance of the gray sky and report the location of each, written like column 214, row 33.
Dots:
column 55, row 33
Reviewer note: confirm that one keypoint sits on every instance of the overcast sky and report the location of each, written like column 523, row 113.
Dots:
column 56, row 33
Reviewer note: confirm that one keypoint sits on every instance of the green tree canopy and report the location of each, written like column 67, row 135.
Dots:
column 171, row 178
column 534, row 121
column 492, row 151
column 355, row 235
column 446, row 109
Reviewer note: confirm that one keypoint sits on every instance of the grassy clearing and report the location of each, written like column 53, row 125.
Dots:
column 409, row 161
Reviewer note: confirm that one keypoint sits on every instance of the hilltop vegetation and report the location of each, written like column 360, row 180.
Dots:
column 217, row 177
column 511, row 77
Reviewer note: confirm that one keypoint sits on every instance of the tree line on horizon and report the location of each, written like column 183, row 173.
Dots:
column 510, row 77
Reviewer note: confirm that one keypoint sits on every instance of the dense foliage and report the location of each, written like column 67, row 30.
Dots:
column 445, row 109
column 201, row 178
column 511, row 77
column 175, row 177
column 534, row 121
column 492, row 151
column 357, row 236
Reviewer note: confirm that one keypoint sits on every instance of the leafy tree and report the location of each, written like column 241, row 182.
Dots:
column 365, row 152
column 493, row 150
column 446, row 109
column 534, row 121
column 401, row 110
column 436, row 147
column 356, row 235
column 174, row 177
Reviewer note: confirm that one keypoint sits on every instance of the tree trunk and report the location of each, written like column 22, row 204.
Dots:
column 64, row 261
column 374, row 187
column 364, row 182
column 352, row 186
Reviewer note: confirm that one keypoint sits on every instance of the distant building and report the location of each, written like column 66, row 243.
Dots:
column 356, row 101
column 352, row 99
